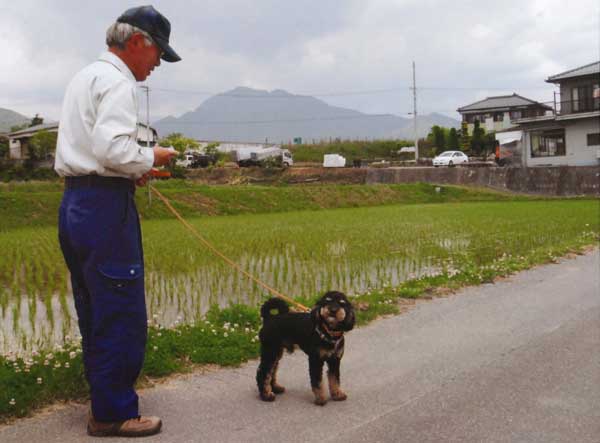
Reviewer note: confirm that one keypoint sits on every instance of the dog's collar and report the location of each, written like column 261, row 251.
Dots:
column 327, row 335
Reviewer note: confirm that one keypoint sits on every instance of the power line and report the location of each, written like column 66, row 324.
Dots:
column 344, row 93
column 250, row 122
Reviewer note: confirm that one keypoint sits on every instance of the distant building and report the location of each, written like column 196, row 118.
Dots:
column 234, row 146
column 18, row 141
column 497, row 113
column 570, row 136
column 146, row 136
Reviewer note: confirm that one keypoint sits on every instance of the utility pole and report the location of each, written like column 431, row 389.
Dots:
column 414, row 88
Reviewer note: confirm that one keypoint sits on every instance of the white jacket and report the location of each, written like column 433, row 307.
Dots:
column 98, row 125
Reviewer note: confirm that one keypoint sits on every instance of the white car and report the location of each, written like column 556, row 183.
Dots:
column 450, row 158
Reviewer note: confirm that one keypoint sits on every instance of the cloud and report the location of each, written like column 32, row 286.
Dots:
column 464, row 50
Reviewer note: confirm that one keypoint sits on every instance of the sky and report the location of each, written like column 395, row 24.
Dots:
column 356, row 54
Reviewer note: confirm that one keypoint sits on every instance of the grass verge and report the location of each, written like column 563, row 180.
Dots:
column 34, row 204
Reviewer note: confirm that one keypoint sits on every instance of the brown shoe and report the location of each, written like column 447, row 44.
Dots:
column 134, row 427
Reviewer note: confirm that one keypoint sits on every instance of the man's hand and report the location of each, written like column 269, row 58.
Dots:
column 163, row 156
column 143, row 179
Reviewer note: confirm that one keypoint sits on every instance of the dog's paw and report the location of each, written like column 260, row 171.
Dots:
column 339, row 396
column 267, row 397
column 320, row 401
column 319, row 396
column 278, row 389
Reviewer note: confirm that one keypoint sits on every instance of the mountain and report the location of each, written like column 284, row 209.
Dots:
column 10, row 118
column 251, row 115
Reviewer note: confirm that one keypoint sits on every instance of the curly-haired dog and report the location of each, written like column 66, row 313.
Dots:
column 320, row 334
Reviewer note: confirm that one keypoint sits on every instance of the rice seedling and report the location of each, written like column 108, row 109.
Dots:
column 301, row 253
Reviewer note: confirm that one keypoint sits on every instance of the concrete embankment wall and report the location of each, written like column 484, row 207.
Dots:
column 539, row 180
column 562, row 180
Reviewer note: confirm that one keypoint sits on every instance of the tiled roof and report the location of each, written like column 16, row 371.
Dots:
column 500, row 102
column 592, row 68
column 34, row 129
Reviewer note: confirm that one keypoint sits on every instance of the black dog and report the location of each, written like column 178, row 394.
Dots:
column 320, row 334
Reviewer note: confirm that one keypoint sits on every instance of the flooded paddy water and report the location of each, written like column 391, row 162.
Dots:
column 299, row 253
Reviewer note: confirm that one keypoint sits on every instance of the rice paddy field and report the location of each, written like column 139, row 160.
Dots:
column 301, row 253
column 377, row 243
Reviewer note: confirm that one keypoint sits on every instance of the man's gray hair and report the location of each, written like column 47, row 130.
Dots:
column 118, row 34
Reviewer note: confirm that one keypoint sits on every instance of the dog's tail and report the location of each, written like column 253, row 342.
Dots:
column 273, row 304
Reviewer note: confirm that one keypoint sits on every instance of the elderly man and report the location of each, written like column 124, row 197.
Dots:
column 99, row 229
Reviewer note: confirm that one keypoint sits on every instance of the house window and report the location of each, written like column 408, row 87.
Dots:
column 548, row 143
column 593, row 139
column 515, row 115
column 586, row 98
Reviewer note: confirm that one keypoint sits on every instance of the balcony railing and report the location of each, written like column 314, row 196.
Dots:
column 587, row 104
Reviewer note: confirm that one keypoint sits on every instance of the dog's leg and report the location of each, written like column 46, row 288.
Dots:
column 333, row 376
column 268, row 358
column 315, row 367
column 277, row 388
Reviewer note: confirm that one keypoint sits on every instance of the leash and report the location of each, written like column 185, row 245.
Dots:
column 223, row 256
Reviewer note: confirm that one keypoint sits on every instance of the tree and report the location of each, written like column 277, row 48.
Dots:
column 37, row 120
column 179, row 142
column 477, row 140
column 489, row 143
column 439, row 138
column 3, row 146
column 453, row 142
column 465, row 139
column 41, row 144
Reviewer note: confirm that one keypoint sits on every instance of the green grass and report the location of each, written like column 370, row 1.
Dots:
column 33, row 204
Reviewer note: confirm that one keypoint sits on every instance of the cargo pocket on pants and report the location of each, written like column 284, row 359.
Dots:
column 121, row 278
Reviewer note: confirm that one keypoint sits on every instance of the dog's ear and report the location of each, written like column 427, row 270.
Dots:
column 350, row 318
column 314, row 314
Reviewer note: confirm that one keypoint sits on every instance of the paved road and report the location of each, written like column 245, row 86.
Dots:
column 517, row 361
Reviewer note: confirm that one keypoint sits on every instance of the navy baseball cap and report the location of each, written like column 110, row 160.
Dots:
column 155, row 24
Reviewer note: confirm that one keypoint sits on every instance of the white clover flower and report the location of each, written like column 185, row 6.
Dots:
column 12, row 402
column 225, row 334
column 67, row 365
column 50, row 356
column 46, row 362
column 246, row 330
column 39, row 380
column 155, row 348
column 72, row 355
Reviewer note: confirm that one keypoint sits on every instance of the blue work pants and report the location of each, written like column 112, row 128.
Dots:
column 100, row 237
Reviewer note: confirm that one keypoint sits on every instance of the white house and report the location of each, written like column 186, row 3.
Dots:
column 570, row 137
column 498, row 113
column 18, row 140
column 146, row 136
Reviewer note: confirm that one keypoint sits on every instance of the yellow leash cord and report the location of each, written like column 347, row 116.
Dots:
column 224, row 257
